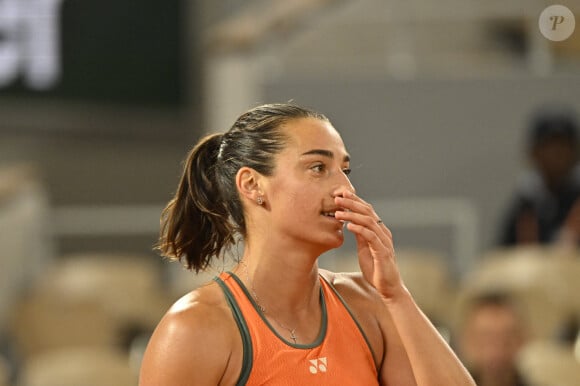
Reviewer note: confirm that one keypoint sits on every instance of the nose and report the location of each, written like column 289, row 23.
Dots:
column 343, row 185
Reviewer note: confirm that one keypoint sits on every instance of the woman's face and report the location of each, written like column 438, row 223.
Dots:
column 308, row 174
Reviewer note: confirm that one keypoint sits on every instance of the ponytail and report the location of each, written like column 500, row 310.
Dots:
column 194, row 224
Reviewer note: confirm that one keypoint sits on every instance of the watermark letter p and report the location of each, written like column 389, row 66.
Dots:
column 556, row 20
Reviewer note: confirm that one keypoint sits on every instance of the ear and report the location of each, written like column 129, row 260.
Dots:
column 248, row 183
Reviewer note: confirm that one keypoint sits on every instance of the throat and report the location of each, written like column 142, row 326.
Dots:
column 296, row 313
column 307, row 330
column 302, row 327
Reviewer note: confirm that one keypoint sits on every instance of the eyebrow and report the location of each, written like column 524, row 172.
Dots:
column 325, row 153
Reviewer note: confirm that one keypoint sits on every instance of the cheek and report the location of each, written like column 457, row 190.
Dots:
column 298, row 200
column 287, row 196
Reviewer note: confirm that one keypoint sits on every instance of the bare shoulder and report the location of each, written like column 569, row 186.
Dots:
column 194, row 342
column 353, row 287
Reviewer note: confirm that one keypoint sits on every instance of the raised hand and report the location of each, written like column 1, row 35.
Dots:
column 376, row 252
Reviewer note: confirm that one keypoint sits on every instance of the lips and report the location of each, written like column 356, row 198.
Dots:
column 331, row 213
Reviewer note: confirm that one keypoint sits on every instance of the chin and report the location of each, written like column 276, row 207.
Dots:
column 323, row 242
column 335, row 242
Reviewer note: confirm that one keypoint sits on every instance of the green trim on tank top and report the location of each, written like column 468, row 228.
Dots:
column 247, row 361
column 345, row 304
column 324, row 323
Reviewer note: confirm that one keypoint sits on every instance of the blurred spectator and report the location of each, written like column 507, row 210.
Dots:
column 545, row 208
column 490, row 337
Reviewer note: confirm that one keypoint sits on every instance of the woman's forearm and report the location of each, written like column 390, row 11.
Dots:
column 432, row 360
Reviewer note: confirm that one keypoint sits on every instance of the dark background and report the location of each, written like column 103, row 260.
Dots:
column 119, row 52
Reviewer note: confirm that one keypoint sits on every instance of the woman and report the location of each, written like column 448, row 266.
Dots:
column 279, row 179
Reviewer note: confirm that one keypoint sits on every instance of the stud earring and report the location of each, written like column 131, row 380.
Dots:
column 260, row 200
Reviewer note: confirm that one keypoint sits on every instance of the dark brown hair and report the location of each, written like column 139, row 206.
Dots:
column 206, row 214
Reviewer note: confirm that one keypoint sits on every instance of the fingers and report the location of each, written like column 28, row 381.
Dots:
column 362, row 219
column 356, row 204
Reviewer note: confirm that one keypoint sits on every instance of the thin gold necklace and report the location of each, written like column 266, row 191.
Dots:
column 292, row 331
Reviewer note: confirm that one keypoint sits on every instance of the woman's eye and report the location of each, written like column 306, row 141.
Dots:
column 346, row 171
column 318, row 168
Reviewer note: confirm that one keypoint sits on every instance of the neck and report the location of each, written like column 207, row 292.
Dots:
column 282, row 273
column 287, row 286
column 281, row 284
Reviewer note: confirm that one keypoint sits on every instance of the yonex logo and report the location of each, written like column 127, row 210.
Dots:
column 317, row 365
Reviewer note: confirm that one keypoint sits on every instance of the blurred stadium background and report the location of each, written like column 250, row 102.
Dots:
column 100, row 101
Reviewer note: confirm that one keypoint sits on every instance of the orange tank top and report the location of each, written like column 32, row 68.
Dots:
column 340, row 355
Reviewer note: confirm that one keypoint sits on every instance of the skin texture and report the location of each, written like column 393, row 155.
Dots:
column 197, row 342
